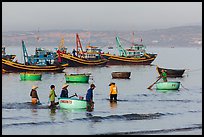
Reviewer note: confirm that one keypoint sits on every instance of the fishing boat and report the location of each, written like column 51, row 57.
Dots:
column 170, row 85
column 90, row 57
column 30, row 76
column 11, row 66
column 77, row 78
column 7, row 56
column 135, row 55
column 41, row 62
column 121, row 75
column 171, row 72
column 73, row 102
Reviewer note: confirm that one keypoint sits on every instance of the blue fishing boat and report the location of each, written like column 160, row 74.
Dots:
column 43, row 61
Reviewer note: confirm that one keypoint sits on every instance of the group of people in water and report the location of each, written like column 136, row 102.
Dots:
column 89, row 95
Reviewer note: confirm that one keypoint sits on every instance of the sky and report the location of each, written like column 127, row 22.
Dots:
column 28, row 16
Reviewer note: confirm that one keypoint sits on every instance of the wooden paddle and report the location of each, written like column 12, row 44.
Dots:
column 154, row 83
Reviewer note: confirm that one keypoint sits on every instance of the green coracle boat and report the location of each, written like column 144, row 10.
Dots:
column 30, row 76
column 77, row 78
column 170, row 85
column 76, row 103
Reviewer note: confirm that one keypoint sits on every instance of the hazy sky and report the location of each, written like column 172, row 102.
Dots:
column 99, row 15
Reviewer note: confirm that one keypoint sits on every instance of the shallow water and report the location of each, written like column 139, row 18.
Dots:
column 138, row 111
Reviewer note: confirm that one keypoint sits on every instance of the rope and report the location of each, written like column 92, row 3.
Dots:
column 184, row 87
column 193, row 70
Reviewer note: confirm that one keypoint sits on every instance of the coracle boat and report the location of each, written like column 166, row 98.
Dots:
column 73, row 102
column 170, row 85
column 136, row 55
column 121, row 75
column 30, row 76
column 90, row 57
column 171, row 72
column 77, row 78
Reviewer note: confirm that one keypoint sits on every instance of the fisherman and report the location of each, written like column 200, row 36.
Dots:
column 113, row 92
column 34, row 95
column 89, row 97
column 52, row 96
column 164, row 75
column 74, row 52
column 64, row 92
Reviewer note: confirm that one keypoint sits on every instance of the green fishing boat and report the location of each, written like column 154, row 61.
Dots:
column 77, row 78
column 170, row 85
column 30, row 76
column 74, row 102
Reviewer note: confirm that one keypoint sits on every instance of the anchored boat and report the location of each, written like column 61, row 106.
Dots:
column 171, row 72
column 121, row 75
column 90, row 57
column 77, row 78
column 39, row 62
column 170, row 85
column 30, row 76
column 135, row 55
column 67, row 103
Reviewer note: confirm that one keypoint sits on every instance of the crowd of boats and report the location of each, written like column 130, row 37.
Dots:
column 56, row 61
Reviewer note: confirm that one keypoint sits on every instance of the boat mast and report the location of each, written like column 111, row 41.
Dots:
column 25, row 53
column 133, row 38
column 78, row 44
column 122, row 51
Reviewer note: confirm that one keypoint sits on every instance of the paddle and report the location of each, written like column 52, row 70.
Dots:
column 73, row 95
column 154, row 83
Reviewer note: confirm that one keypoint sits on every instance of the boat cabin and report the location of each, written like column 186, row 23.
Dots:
column 137, row 50
column 42, row 57
column 92, row 52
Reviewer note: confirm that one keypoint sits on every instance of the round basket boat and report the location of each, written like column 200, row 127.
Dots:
column 170, row 85
column 121, row 75
column 30, row 76
column 76, row 103
column 77, row 78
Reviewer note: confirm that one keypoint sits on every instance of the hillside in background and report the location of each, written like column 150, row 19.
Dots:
column 185, row 36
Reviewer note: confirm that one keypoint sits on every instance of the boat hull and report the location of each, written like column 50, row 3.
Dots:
column 77, row 78
column 67, row 103
column 121, row 75
column 18, row 67
column 171, row 72
column 30, row 76
column 78, row 62
column 171, row 85
column 119, row 60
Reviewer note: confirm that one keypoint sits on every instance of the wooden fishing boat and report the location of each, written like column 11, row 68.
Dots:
column 77, row 78
column 42, row 61
column 30, row 76
column 73, row 102
column 170, row 85
column 121, row 75
column 90, row 57
column 11, row 66
column 136, row 55
column 171, row 72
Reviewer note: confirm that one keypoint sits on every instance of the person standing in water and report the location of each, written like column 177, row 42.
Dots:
column 34, row 95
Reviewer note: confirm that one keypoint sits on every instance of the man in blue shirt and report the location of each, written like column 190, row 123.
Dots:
column 89, row 97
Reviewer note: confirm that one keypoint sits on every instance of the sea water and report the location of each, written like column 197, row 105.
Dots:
column 137, row 111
